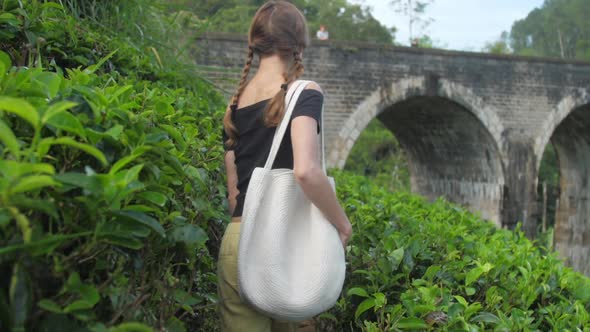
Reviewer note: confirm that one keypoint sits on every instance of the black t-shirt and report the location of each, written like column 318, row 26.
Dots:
column 254, row 140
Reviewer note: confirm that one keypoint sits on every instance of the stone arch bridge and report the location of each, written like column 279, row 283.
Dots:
column 474, row 126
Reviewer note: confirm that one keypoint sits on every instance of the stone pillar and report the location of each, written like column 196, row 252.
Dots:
column 572, row 225
column 520, row 191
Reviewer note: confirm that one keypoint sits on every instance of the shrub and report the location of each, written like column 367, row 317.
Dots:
column 436, row 267
column 109, row 188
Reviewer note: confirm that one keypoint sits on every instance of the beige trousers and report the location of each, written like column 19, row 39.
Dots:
column 236, row 315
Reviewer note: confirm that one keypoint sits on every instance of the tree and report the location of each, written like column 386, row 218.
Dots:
column 500, row 46
column 414, row 10
column 345, row 21
column 560, row 28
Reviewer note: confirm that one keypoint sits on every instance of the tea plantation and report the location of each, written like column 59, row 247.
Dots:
column 112, row 199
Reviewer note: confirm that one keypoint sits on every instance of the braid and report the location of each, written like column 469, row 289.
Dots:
column 275, row 110
column 230, row 128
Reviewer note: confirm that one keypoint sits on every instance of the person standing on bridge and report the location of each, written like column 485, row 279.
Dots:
column 278, row 35
column 322, row 33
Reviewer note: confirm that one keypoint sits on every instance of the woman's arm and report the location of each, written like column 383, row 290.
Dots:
column 232, row 180
column 310, row 176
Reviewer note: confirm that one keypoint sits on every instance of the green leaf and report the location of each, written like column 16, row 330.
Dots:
column 115, row 132
column 431, row 272
column 21, row 108
column 88, row 294
column 57, row 108
column 357, row 291
column 4, row 63
column 364, row 306
column 95, row 67
column 185, row 298
column 191, row 235
column 120, row 91
column 23, row 224
column 44, row 246
column 46, row 206
column 396, row 257
column 9, row 19
column 78, row 305
column 52, row 5
column 486, row 317
column 153, row 197
column 411, row 323
column 141, row 218
column 126, row 160
column 473, row 275
column 89, row 183
column 154, row 138
column 131, row 327
column 32, row 183
column 122, row 241
column 380, row 300
column 176, row 135
column 51, row 82
column 96, row 153
column 66, row 121
column 50, row 306
column 14, row 169
column 462, row 300
column 9, row 139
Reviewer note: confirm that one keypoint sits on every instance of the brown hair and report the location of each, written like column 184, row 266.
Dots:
column 277, row 28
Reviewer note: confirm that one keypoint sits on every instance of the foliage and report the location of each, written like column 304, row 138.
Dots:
column 150, row 42
column 413, row 265
column 112, row 198
column 111, row 195
column 377, row 155
column 560, row 28
column 344, row 21
column 500, row 46
column 108, row 184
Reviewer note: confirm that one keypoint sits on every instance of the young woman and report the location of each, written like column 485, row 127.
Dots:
column 278, row 36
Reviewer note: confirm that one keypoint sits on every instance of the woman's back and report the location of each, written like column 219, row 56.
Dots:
column 253, row 144
column 278, row 36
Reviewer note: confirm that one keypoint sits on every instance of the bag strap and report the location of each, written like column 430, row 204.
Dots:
column 323, row 150
column 290, row 100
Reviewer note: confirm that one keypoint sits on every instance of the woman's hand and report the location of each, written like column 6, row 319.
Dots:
column 345, row 233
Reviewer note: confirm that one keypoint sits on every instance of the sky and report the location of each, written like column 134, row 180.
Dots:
column 458, row 24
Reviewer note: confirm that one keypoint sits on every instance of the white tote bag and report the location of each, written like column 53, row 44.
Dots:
column 290, row 259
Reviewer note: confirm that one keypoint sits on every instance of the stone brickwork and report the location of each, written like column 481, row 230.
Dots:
column 474, row 126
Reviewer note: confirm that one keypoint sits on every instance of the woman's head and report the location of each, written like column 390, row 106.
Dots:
column 278, row 28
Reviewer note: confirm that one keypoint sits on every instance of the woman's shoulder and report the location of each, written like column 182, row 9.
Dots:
column 314, row 86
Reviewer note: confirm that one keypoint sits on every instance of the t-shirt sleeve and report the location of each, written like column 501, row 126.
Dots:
column 224, row 139
column 309, row 104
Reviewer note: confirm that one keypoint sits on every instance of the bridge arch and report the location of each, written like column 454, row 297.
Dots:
column 568, row 129
column 440, row 125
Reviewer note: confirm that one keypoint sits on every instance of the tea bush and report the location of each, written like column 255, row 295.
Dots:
column 111, row 196
column 109, row 187
column 437, row 267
